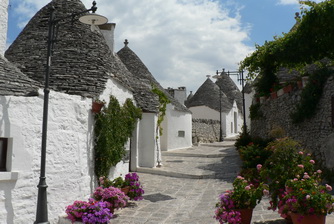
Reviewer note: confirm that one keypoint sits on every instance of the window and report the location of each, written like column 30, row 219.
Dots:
column 3, row 153
column 181, row 134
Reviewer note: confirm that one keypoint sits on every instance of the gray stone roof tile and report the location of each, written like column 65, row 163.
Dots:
column 142, row 81
column 14, row 83
column 230, row 89
column 208, row 94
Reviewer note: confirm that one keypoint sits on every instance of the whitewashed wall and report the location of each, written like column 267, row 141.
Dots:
column 69, row 169
column 233, row 128
column 3, row 25
column 174, row 122
column 248, row 103
column 69, row 159
column 147, row 154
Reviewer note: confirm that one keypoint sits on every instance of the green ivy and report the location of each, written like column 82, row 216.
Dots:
column 255, row 111
column 163, row 101
column 113, row 127
column 309, row 41
column 310, row 96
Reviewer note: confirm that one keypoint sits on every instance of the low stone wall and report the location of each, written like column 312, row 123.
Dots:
column 205, row 130
column 315, row 134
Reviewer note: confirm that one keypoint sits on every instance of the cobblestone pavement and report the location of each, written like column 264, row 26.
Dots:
column 186, row 188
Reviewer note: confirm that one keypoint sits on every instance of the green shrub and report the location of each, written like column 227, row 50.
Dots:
column 253, row 155
column 243, row 140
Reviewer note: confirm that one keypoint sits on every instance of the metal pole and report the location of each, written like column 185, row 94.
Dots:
column 243, row 100
column 42, row 209
column 221, row 138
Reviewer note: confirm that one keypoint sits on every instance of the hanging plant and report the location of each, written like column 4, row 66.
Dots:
column 163, row 100
column 310, row 96
column 113, row 128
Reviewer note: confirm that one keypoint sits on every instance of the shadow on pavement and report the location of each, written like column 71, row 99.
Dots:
column 279, row 221
column 227, row 168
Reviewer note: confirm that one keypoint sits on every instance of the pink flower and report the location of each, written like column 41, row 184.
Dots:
column 258, row 166
column 306, row 176
column 319, row 171
column 308, row 197
column 301, row 166
column 301, row 153
column 247, row 188
column 312, row 161
column 265, row 192
column 240, row 177
column 328, row 187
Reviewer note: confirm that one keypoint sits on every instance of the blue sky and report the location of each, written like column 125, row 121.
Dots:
column 182, row 41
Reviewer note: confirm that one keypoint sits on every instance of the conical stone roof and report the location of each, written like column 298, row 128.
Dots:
column 14, row 83
column 230, row 89
column 142, row 81
column 208, row 95
column 81, row 62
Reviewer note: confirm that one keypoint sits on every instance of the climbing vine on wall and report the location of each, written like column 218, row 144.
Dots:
column 113, row 127
column 311, row 95
column 163, row 101
column 309, row 41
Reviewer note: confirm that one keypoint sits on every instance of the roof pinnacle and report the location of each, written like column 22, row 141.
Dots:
column 126, row 42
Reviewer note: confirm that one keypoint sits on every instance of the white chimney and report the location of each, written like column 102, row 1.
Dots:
column 108, row 32
column 3, row 25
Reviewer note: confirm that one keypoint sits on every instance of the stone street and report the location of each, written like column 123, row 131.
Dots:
column 186, row 188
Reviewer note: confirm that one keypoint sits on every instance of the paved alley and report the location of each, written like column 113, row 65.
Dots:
column 186, row 188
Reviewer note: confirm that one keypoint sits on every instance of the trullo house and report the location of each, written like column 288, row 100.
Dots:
column 84, row 68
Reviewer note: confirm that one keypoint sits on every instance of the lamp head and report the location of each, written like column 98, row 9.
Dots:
column 93, row 19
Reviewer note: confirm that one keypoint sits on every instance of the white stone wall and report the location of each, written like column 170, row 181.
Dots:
column 232, row 128
column 3, row 25
column 69, row 169
column 147, row 154
column 248, row 103
column 174, row 122
column 69, row 159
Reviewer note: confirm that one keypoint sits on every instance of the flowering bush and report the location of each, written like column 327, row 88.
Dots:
column 89, row 212
column 243, row 195
column 131, row 180
column 118, row 182
column 286, row 162
column 304, row 195
column 136, row 190
column 253, row 154
column 112, row 196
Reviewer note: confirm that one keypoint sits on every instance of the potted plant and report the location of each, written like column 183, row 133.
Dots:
column 113, row 197
column 91, row 212
column 236, row 206
column 97, row 105
column 131, row 185
column 284, row 163
column 136, row 190
column 306, row 200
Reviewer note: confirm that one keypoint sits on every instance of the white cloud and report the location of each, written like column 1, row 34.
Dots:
column 180, row 41
column 291, row 2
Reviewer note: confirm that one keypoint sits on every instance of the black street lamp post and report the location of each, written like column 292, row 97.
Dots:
column 91, row 19
column 221, row 137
